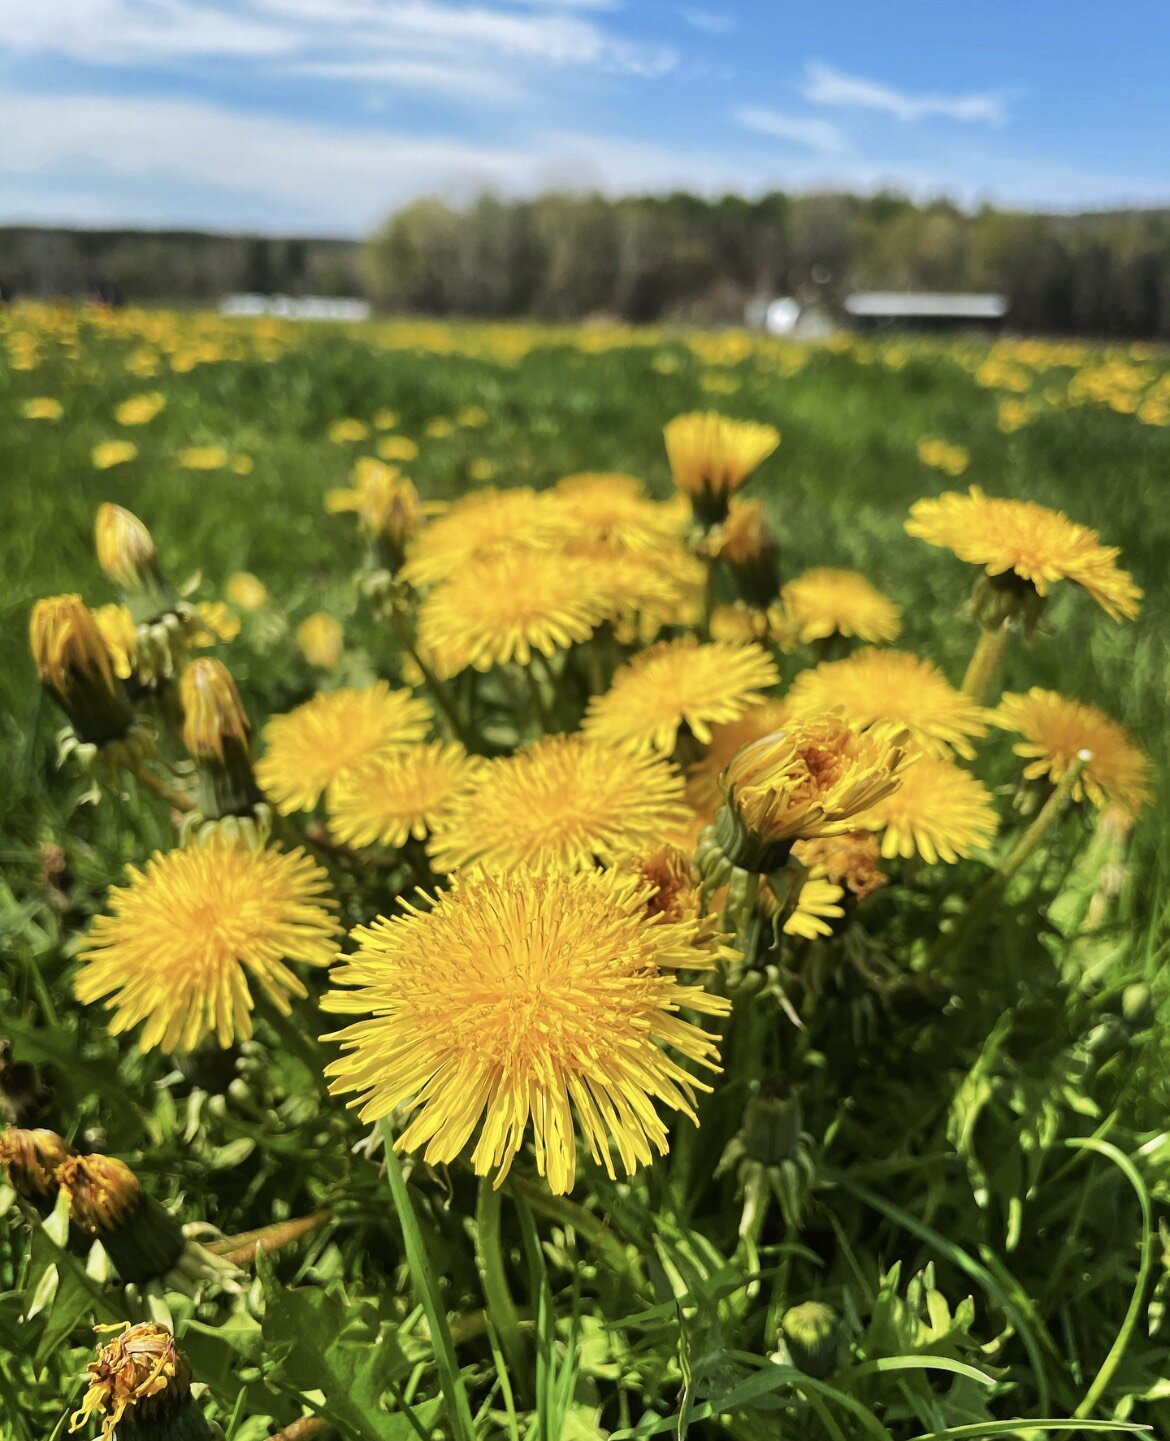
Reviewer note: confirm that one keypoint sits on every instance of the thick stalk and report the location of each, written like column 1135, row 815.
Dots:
column 175, row 799
column 489, row 1260
column 241, row 1249
column 979, row 682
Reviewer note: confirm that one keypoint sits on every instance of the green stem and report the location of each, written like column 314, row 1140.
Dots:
column 426, row 1285
column 436, row 687
column 708, row 598
column 979, row 681
column 569, row 1213
column 489, row 1260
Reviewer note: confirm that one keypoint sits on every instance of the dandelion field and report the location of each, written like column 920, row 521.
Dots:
column 702, row 833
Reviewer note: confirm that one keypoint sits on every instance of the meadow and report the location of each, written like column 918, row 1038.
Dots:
column 959, row 1213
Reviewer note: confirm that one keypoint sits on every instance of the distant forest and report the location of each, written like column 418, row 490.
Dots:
column 676, row 258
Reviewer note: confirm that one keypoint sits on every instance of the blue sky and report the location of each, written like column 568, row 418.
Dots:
column 320, row 116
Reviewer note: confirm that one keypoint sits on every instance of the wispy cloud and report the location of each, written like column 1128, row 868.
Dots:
column 804, row 130
column 710, row 22
column 825, row 86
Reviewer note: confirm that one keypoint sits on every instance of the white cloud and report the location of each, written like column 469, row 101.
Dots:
column 805, row 130
column 710, row 22
column 826, row 86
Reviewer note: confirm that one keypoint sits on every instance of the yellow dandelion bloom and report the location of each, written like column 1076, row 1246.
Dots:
column 679, row 683
column 347, row 431
column 125, row 549
column 850, row 859
column 810, row 779
column 383, row 499
column 213, row 713
column 744, row 536
column 138, row 1373
column 177, row 945
column 952, row 460
column 525, row 998
column 481, row 470
column 1038, row 545
column 120, row 635
column 321, row 639
column 704, row 793
column 564, row 799
column 504, row 607
column 817, row 903
column 202, row 457
column 218, row 623
column 79, row 669
column 614, row 508
column 140, row 409
column 113, row 452
column 1056, row 729
column 246, row 591
column 647, row 589
column 825, row 602
column 42, row 407
column 940, row 812
column 392, row 798
column 483, row 524
column 397, row 448
column 472, row 417
column 892, row 685
column 310, row 747
column 385, row 419
column 439, row 428
column 712, row 455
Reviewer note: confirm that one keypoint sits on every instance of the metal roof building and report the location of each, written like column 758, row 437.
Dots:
column 914, row 310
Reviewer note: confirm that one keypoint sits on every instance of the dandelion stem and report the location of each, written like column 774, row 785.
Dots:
column 983, row 903
column 436, row 687
column 175, row 799
column 241, row 1249
column 979, row 682
column 489, row 1260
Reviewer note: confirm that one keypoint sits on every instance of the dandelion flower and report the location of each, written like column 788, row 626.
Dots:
column 891, row 685
column 78, row 668
column 748, row 547
column 525, row 997
column 480, row 525
column 397, row 448
column 940, row 812
column 679, row 683
column 321, row 638
column 390, row 799
column 113, row 452
column 817, row 903
column 125, row 549
column 246, row 591
column 615, row 509
column 1035, row 544
column 503, row 607
column 711, row 456
column 311, row 746
column 178, row 944
column 704, row 794
column 1056, row 729
column 347, row 431
column 564, row 799
column 42, row 407
column 824, row 603
column 138, row 1381
column 850, row 859
column 140, row 409
column 202, row 457
column 385, row 503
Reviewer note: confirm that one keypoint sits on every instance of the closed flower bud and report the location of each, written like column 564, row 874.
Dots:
column 745, row 542
column 218, row 734
column 106, row 1201
column 29, row 1160
column 712, row 455
column 76, row 667
column 812, row 1335
column 140, row 1385
column 125, row 550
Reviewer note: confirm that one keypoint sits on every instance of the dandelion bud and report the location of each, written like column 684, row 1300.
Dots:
column 771, row 1157
column 711, row 456
column 106, row 1201
column 218, row 734
column 125, row 550
column 811, row 1335
column 749, row 548
column 321, row 638
column 140, row 1384
column 808, row 780
column 29, row 1160
column 76, row 667
column 386, row 505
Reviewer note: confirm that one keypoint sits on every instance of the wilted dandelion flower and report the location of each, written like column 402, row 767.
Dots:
column 891, row 685
column 109, row 453
column 390, row 799
column 522, row 998
column 1056, row 729
column 504, row 607
column 140, row 409
column 850, row 859
column 77, row 667
column 137, row 1381
column 564, row 799
column 1037, row 545
column 311, row 746
column 704, row 793
column 246, row 591
column 480, row 525
column 712, row 455
column 213, row 714
column 823, row 603
column 940, row 812
column 679, row 683
column 177, row 945
column 29, row 1160
column 321, row 639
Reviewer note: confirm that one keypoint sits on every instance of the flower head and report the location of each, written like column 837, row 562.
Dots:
column 890, row 685
column 704, row 793
column 202, row 457
column 1035, row 544
column 480, row 525
column 103, row 1192
column 125, row 550
column 680, row 682
column 140, row 409
column 246, row 591
column 616, row 510
column 522, row 998
column 564, row 799
column 113, row 452
column 850, row 859
column 745, row 542
column 137, row 1378
column 177, row 945
column 940, row 812
column 76, row 666
column 391, row 798
column 1055, row 730
column 321, row 639
column 311, row 746
column 818, row 902
column 385, row 503
column 823, row 603
column 213, row 714
column 503, row 607
column 29, row 1160
column 712, row 455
